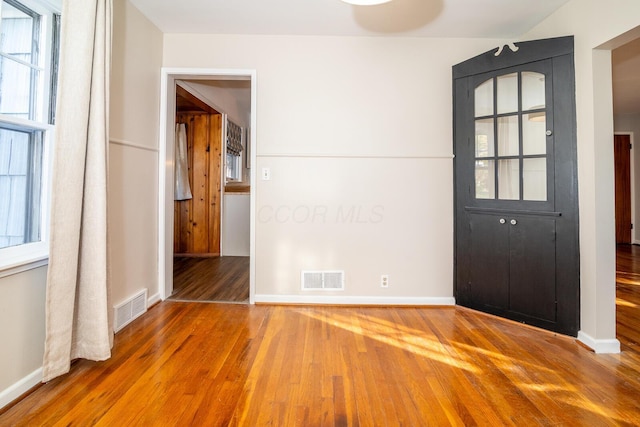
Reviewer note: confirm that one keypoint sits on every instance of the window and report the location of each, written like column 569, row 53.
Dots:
column 234, row 152
column 29, row 34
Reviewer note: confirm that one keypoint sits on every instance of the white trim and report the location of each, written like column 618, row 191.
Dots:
column 223, row 176
column 609, row 346
column 153, row 299
column 168, row 79
column 354, row 300
column 43, row 6
column 21, row 62
column 24, row 266
column 14, row 259
column 17, row 389
column 124, row 143
column 165, row 286
column 355, row 156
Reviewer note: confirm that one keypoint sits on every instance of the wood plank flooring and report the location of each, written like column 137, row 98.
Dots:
column 186, row 364
column 628, row 296
column 211, row 279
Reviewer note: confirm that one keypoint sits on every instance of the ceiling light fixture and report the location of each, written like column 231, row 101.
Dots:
column 365, row 2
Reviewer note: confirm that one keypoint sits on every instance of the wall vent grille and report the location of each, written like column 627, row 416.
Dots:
column 129, row 310
column 322, row 280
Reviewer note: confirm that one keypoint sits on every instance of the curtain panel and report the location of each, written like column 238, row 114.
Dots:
column 78, row 318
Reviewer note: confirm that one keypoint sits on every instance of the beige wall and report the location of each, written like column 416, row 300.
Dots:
column 21, row 331
column 137, row 53
column 133, row 168
column 357, row 133
column 594, row 23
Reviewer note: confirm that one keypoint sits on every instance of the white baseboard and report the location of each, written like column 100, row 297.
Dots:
column 18, row 389
column 350, row 300
column 611, row 346
column 153, row 299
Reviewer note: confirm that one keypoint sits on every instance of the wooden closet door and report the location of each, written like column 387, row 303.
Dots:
column 197, row 220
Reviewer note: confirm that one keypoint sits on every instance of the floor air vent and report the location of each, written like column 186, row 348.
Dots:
column 323, row 280
column 130, row 310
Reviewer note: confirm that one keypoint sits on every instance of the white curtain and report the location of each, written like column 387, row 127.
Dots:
column 78, row 318
column 182, row 188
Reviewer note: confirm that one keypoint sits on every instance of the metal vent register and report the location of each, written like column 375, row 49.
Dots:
column 323, row 280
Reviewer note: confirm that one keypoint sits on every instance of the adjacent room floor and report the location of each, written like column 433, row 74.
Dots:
column 220, row 279
column 628, row 296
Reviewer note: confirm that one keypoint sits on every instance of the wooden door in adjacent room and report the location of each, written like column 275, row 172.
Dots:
column 622, row 161
column 197, row 220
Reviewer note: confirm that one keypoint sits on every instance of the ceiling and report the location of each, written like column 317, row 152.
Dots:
column 422, row 18
column 416, row 18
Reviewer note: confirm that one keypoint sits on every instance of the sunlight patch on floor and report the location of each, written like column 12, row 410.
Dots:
column 625, row 303
column 403, row 339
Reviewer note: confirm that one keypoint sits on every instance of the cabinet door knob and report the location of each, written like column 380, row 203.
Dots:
column 502, row 220
column 513, row 222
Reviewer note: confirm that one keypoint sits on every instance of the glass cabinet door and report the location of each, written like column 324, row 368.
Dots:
column 511, row 153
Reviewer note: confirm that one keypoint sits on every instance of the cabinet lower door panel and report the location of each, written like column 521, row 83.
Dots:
column 489, row 262
column 512, row 266
column 532, row 290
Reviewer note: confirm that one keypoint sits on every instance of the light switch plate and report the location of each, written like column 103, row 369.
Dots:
column 266, row 174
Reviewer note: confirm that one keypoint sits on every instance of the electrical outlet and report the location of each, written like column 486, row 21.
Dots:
column 384, row 281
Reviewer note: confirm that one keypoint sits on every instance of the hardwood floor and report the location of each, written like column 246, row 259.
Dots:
column 211, row 279
column 628, row 296
column 241, row 365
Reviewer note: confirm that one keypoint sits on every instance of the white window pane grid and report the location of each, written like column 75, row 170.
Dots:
column 19, row 187
column 25, row 72
column 17, row 93
column 16, row 29
column 21, row 84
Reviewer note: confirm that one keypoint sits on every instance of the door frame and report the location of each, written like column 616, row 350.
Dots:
column 166, row 143
column 634, row 241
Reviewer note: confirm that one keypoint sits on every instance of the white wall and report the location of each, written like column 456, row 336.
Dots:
column 596, row 26
column 232, row 97
column 235, row 225
column 631, row 123
column 357, row 133
column 22, row 315
column 133, row 168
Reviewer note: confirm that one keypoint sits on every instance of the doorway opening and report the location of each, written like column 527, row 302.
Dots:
column 625, row 60
column 206, row 233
